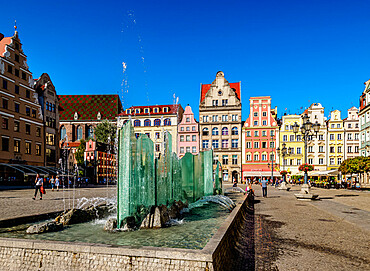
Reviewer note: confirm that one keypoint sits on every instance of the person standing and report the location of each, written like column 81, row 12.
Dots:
column 52, row 182
column 264, row 187
column 39, row 183
column 57, row 182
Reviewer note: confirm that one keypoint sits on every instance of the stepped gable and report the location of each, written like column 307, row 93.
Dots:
column 88, row 107
column 206, row 87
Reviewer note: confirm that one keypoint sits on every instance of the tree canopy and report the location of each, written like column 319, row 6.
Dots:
column 79, row 155
column 355, row 165
column 104, row 130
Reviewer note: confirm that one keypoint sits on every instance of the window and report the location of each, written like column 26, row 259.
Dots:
column 272, row 133
column 16, row 72
column 225, row 143
column 16, row 89
column 333, row 125
column 338, row 125
column 90, row 131
column 285, row 138
column 188, row 128
column 28, row 111
column 38, row 149
column 299, row 150
column 24, row 76
column 291, row 137
column 187, row 138
column 264, row 114
column 255, row 123
column 28, row 129
column 224, row 117
column 256, row 133
column 63, row 132
column 205, row 144
column 264, row 123
column 5, row 103
column 5, row 84
column 225, row 131
column 146, row 110
column 147, row 122
column 310, row 161
column 321, row 161
column 214, row 102
column 137, row 135
column 157, row 122
column 5, row 143
column 181, row 149
column 339, row 149
column 224, row 102
column 248, row 144
column 291, row 162
column 248, row 157
column 148, row 135
column 157, row 135
column 128, row 111
column 187, row 149
column 264, row 157
column 234, row 160
column 157, row 147
column 291, row 150
column 349, row 149
column 167, row 122
column 225, row 159
column 299, row 162
column 331, row 161
column 38, row 132
column 331, row 136
column 182, row 129
column 214, row 118
column 79, row 132
column 256, row 145
column 321, row 137
column 156, row 110
column 339, row 136
column 33, row 113
column 264, row 133
column 331, row 149
column 264, row 145
column 339, row 160
column 193, row 149
column 255, row 114
column 356, row 136
column 205, row 131
column 321, row 148
column 16, row 126
column 16, row 107
column 310, row 149
column 248, row 133
column 28, row 148
column 17, row 146
column 256, row 157
column 234, row 117
column 5, row 124
column 205, row 118
column 215, row 131
column 356, row 149
column 137, row 111
column 193, row 138
column 215, row 143
column 193, row 128
column 137, row 123
column 272, row 144
column 28, row 93
column 182, row 138
column 234, row 143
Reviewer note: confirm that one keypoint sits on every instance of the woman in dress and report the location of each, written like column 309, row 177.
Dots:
column 39, row 181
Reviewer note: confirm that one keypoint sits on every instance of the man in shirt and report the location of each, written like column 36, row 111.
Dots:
column 264, row 187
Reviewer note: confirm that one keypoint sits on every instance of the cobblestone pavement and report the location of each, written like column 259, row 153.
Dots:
column 19, row 203
column 330, row 234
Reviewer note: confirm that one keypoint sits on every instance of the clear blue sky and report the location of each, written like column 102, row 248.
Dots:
column 298, row 52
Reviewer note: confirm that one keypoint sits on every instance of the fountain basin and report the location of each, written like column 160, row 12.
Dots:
column 20, row 253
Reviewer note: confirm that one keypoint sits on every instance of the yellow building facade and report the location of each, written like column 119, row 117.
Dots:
column 335, row 141
column 294, row 144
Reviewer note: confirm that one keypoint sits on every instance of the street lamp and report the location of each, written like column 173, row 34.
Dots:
column 308, row 130
column 284, row 151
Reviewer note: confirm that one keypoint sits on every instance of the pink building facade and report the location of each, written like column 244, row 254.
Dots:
column 259, row 140
column 188, row 134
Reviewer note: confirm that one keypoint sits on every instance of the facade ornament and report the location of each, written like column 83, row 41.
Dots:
column 2, row 66
column 75, row 117
column 99, row 116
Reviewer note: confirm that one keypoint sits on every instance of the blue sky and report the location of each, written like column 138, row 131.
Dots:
column 298, row 52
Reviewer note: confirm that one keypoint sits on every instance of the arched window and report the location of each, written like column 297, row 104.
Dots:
column 147, row 122
column 79, row 133
column 137, row 123
column 205, row 131
column 215, row 131
column 234, row 131
column 157, row 122
column 90, row 132
column 167, row 122
column 225, row 131
column 63, row 132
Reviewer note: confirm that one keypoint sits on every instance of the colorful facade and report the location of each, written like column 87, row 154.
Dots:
column 220, row 112
column 153, row 121
column 335, row 140
column 351, row 134
column 260, row 136
column 293, row 143
column 188, row 134
column 364, row 116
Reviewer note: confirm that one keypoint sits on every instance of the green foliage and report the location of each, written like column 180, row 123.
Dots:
column 79, row 155
column 355, row 165
column 104, row 130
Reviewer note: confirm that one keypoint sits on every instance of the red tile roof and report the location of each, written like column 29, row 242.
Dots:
column 3, row 43
column 206, row 87
column 173, row 109
column 88, row 106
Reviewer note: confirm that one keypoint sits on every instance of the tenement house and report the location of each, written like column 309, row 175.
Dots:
column 21, row 130
column 364, row 116
column 188, row 134
column 351, row 134
column 220, row 112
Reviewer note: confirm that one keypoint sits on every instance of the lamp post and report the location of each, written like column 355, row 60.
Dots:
column 308, row 130
column 284, row 151
column 272, row 156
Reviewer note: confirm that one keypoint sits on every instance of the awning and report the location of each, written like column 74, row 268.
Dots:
column 260, row 173
column 333, row 172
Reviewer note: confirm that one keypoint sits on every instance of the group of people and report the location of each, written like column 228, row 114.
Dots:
column 39, row 185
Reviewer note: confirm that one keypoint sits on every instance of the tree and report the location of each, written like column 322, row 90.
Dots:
column 79, row 155
column 104, row 130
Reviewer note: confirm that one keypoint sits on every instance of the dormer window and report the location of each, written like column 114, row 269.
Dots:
column 98, row 116
column 165, row 109
column 128, row 111
column 156, row 110
column 146, row 110
column 75, row 117
column 137, row 111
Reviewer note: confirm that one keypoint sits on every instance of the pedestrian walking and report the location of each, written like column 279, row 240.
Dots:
column 52, row 182
column 39, row 183
column 264, row 187
column 57, row 183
